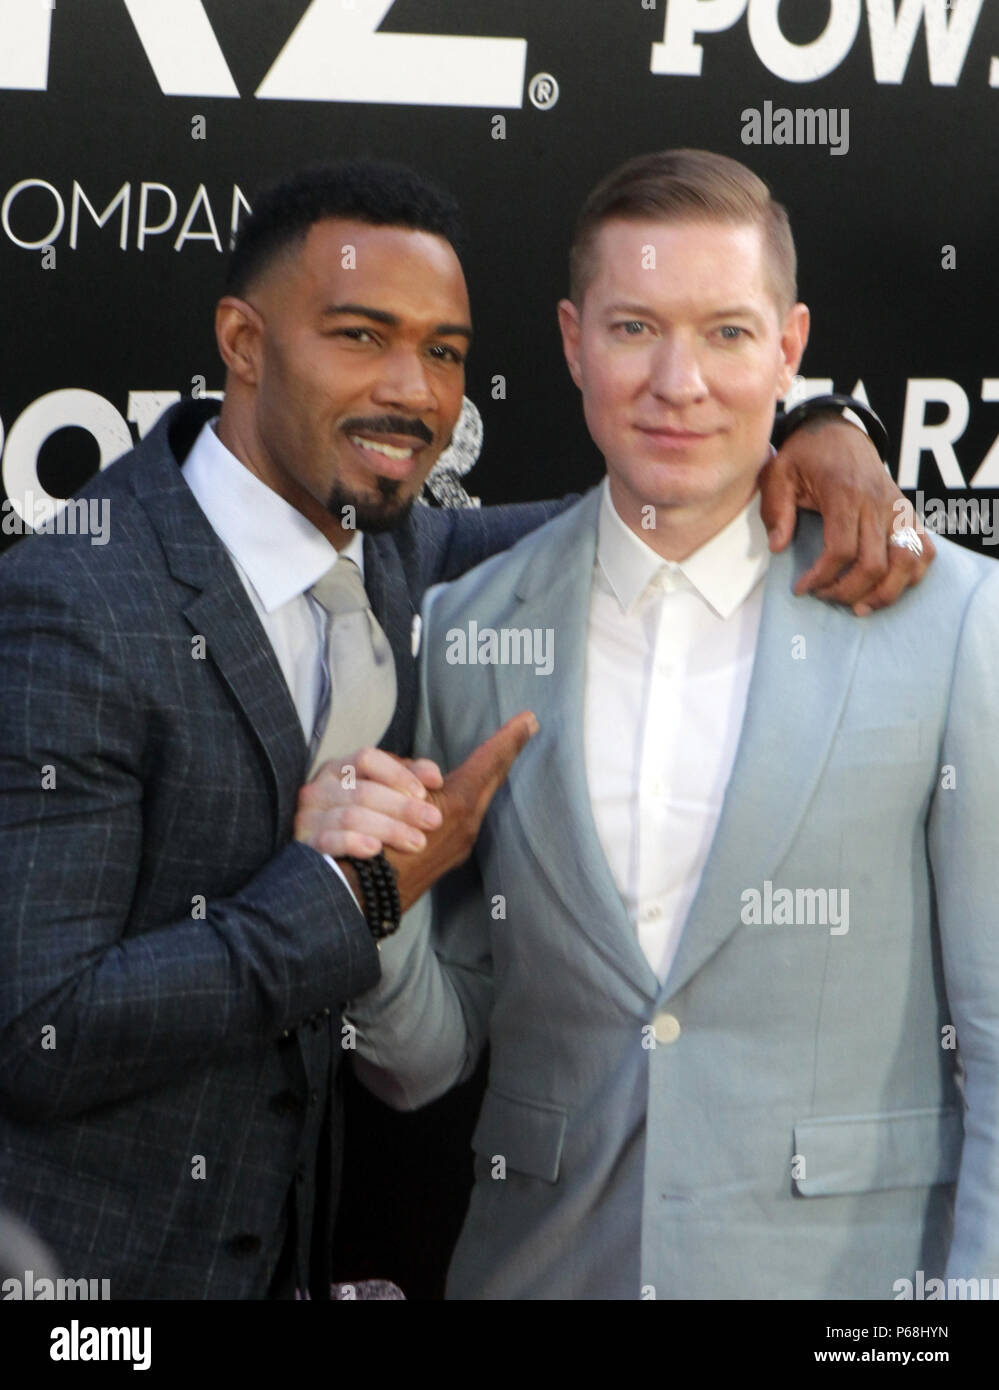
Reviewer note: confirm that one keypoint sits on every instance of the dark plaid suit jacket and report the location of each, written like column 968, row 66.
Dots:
column 173, row 963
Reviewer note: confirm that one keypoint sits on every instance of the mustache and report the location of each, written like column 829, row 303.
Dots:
column 388, row 424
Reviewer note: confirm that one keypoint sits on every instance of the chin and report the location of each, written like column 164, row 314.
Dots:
column 674, row 490
column 384, row 519
column 373, row 514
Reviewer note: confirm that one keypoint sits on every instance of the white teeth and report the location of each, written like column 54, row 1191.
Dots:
column 390, row 451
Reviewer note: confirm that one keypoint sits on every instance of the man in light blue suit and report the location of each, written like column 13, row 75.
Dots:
column 730, row 930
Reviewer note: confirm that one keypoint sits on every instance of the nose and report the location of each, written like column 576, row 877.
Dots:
column 675, row 371
column 403, row 382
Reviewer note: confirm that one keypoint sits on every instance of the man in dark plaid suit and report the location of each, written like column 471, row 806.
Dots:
column 174, row 961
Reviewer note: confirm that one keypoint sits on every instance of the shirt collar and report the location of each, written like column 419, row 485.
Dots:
column 279, row 550
column 724, row 571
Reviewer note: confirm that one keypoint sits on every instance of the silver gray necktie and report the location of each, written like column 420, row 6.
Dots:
column 361, row 687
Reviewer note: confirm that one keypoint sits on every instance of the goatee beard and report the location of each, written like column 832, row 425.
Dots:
column 368, row 515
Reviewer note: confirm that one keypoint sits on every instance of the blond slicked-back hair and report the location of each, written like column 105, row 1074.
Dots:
column 686, row 186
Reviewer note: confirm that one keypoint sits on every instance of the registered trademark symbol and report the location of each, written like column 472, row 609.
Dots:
column 543, row 91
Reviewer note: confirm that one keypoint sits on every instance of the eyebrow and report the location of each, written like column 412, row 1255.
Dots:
column 441, row 330
column 739, row 311
column 635, row 309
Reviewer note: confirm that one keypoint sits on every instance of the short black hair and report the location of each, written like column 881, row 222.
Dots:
column 366, row 190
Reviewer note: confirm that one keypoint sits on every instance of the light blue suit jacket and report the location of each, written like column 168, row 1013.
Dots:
column 788, row 1116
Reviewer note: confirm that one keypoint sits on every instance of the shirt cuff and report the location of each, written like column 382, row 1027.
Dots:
column 336, row 869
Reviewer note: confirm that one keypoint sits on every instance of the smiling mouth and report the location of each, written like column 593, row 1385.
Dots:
column 397, row 453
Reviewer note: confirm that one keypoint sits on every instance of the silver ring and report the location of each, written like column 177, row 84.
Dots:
column 907, row 539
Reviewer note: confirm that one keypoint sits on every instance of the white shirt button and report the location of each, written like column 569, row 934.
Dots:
column 666, row 1028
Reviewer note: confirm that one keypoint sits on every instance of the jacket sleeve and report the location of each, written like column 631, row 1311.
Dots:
column 479, row 532
column 94, row 1008
column 963, row 838
column 421, row 1029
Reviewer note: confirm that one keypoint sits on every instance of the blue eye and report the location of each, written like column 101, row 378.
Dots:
column 731, row 332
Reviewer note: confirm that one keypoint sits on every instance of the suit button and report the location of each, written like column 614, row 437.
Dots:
column 285, row 1103
column 286, row 1040
column 244, row 1245
column 313, row 1097
column 666, row 1028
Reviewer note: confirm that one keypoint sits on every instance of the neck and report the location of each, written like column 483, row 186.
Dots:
column 675, row 532
column 237, row 433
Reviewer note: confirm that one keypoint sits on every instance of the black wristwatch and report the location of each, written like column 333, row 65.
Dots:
column 786, row 423
column 380, row 892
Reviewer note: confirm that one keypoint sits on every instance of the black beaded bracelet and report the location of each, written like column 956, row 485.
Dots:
column 380, row 892
column 787, row 423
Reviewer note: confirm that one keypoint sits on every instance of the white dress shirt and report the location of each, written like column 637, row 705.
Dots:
column 278, row 554
column 669, row 655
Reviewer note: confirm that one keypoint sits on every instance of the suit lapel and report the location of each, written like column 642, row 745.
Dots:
column 548, row 784
column 793, row 708
column 242, row 654
column 220, row 610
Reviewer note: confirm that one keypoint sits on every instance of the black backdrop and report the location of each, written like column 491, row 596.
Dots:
column 97, row 95
column 181, row 108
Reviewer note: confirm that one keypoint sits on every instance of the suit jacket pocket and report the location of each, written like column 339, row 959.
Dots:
column 871, row 1153
column 529, row 1134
